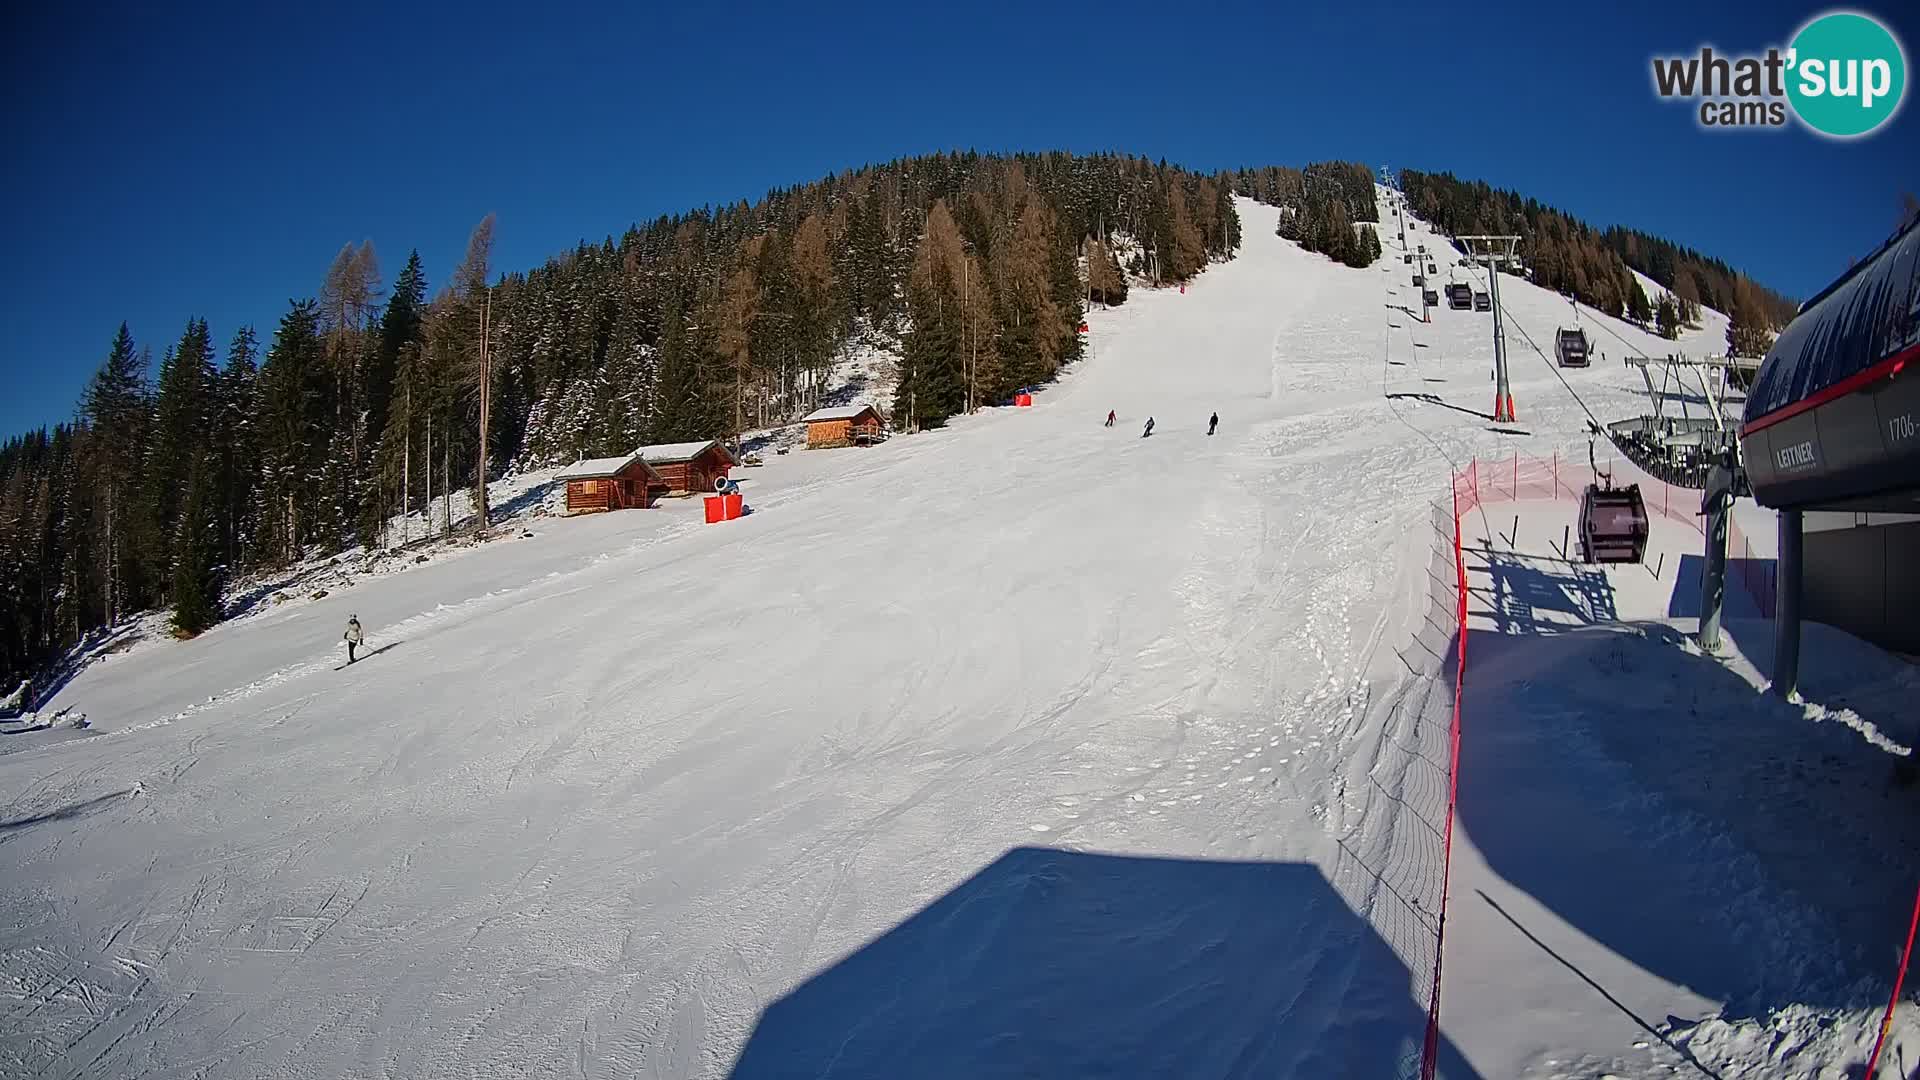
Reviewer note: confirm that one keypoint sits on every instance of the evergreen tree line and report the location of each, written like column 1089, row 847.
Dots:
column 1594, row 266
column 1322, row 207
column 169, row 485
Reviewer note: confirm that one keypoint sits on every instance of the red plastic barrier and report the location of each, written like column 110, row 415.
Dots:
column 1886, row 1022
column 1430, row 1047
column 716, row 508
column 1023, row 400
column 735, row 505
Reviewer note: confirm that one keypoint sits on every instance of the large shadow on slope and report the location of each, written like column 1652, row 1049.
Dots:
column 1720, row 838
column 1051, row 963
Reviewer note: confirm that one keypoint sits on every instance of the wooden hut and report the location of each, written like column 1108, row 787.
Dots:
column 689, row 467
column 616, row 483
column 848, row 425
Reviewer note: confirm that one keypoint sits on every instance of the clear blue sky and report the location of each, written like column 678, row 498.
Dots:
column 165, row 163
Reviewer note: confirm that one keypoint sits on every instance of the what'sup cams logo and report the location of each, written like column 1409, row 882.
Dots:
column 1844, row 75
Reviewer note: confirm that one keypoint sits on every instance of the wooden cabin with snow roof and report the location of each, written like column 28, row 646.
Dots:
column 689, row 467
column 847, row 425
column 615, row 483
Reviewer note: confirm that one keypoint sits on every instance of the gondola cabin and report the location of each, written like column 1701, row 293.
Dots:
column 1430, row 297
column 1418, row 280
column 1482, row 302
column 688, row 467
column 1432, row 269
column 1613, row 523
column 848, row 425
column 1570, row 347
column 616, row 483
column 1459, row 296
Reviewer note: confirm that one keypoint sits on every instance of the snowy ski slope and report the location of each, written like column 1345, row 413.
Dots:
column 1026, row 747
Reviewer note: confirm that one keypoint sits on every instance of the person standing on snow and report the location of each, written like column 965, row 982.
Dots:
column 353, row 636
column 1149, row 430
column 1110, row 417
column 1213, row 422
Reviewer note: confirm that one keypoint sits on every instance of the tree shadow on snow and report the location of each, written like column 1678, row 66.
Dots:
column 1063, row 963
column 1651, row 797
column 522, row 502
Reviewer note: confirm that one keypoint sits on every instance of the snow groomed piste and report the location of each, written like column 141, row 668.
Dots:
column 1027, row 747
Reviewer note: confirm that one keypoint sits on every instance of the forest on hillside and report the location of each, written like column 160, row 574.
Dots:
column 1322, row 207
column 366, row 399
column 1591, row 265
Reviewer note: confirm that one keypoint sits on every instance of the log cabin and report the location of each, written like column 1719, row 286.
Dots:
column 847, row 425
column 616, row 483
column 689, row 467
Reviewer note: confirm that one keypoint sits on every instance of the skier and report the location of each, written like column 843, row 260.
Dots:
column 1149, row 430
column 1110, row 417
column 1213, row 422
column 352, row 636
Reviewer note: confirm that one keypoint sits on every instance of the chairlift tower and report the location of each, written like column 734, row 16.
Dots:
column 1496, row 251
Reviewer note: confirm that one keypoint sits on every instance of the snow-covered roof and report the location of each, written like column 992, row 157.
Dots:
column 595, row 468
column 842, row 412
column 682, row 451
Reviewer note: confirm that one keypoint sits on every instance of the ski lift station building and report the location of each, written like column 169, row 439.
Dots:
column 847, row 425
column 615, row 483
column 688, row 467
column 1831, row 439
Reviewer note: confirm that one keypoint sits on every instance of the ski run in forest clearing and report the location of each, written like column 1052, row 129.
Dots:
column 1025, row 747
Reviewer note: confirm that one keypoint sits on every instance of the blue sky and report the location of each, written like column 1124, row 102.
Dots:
column 168, row 163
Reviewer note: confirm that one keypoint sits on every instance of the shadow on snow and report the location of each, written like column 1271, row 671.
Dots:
column 1752, row 850
column 1063, row 963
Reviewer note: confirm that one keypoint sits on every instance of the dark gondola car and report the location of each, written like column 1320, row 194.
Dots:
column 1459, row 296
column 1570, row 347
column 1432, row 269
column 1482, row 302
column 1833, row 416
column 1430, row 297
column 1613, row 524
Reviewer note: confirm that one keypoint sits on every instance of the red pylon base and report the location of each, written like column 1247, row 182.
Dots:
column 1503, row 410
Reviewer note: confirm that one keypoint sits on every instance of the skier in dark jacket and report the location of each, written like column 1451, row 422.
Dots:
column 1213, row 422
column 1149, row 430
column 1110, row 417
column 353, row 636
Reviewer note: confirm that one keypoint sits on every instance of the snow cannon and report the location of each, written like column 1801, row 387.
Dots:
column 723, row 485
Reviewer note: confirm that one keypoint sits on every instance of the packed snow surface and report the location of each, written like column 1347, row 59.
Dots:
column 1026, row 747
